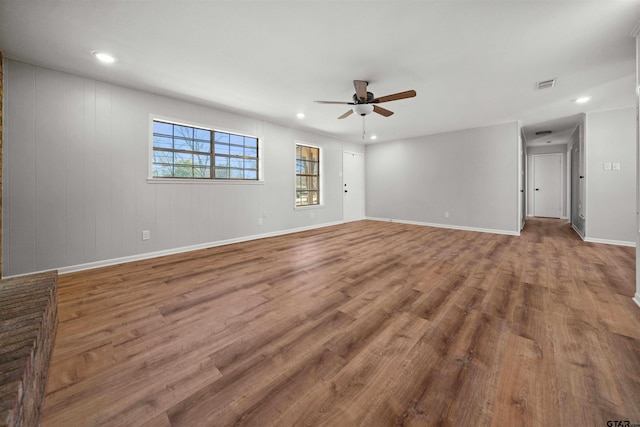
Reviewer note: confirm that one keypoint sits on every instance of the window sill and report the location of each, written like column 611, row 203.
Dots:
column 304, row 208
column 203, row 181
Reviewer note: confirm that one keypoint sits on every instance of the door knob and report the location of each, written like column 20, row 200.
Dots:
column 345, row 191
column 537, row 189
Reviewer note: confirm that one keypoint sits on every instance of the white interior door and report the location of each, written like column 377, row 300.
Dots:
column 547, row 185
column 352, row 186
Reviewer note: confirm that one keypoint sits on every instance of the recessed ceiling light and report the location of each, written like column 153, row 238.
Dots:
column 300, row 115
column 104, row 57
column 583, row 99
column 374, row 137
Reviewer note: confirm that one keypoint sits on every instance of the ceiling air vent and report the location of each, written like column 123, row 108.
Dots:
column 547, row 84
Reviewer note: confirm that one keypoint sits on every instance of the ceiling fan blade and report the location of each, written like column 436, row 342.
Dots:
column 361, row 89
column 334, row 102
column 382, row 111
column 347, row 114
column 395, row 96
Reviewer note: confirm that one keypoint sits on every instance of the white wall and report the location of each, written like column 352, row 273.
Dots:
column 611, row 194
column 551, row 149
column 76, row 155
column 472, row 174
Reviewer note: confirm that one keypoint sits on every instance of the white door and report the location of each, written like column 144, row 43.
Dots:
column 547, row 185
column 352, row 186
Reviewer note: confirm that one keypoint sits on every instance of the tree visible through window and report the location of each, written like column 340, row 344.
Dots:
column 307, row 175
column 186, row 152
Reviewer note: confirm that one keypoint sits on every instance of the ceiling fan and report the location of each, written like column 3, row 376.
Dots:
column 364, row 102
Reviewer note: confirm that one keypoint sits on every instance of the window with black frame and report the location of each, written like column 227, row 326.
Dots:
column 181, row 151
column 307, row 175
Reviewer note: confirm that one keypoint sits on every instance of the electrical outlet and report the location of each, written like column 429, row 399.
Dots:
column 259, row 221
column 264, row 214
column 446, row 214
column 146, row 234
column 616, row 166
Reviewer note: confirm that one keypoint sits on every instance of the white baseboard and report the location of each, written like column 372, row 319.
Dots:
column 449, row 226
column 139, row 257
column 610, row 242
column 636, row 299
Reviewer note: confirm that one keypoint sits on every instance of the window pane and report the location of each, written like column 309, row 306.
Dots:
column 162, row 156
column 183, row 144
column 222, row 149
column 236, row 163
column 183, row 172
column 236, row 151
column 221, row 137
column 162, row 141
column 236, row 173
column 201, row 172
column 250, row 142
column 302, row 198
column 163, row 128
column 313, row 195
column 202, row 159
column 250, row 164
column 162, row 170
column 201, row 146
column 183, row 158
column 202, row 134
column 221, row 173
column 182, row 132
column 222, row 161
column 250, row 174
column 237, row 139
column 251, row 152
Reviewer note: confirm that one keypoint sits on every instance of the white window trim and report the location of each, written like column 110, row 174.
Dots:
column 320, row 171
column 207, row 181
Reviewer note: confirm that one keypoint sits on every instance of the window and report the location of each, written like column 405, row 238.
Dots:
column 307, row 175
column 181, row 151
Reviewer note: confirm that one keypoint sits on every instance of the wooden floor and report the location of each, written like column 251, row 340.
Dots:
column 361, row 324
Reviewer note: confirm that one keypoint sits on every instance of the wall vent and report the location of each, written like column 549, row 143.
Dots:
column 547, row 84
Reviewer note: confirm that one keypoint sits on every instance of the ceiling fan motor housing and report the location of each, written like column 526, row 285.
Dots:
column 369, row 99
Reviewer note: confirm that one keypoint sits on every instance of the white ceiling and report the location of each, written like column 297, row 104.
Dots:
column 473, row 63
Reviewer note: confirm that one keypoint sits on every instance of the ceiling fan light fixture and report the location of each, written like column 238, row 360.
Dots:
column 363, row 109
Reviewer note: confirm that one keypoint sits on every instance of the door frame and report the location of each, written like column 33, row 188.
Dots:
column 533, row 180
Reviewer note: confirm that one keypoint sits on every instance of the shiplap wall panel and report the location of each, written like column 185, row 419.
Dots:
column 89, row 168
column 51, row 167
column 119, row 151
column 77, row 165
column 102, row 189
column 74, row 177
column 19, row 169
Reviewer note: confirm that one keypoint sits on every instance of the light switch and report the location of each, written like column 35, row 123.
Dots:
column 606, row 166
column 616, row 166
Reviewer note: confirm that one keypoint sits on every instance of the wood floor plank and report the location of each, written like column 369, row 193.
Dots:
column 366, row 324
